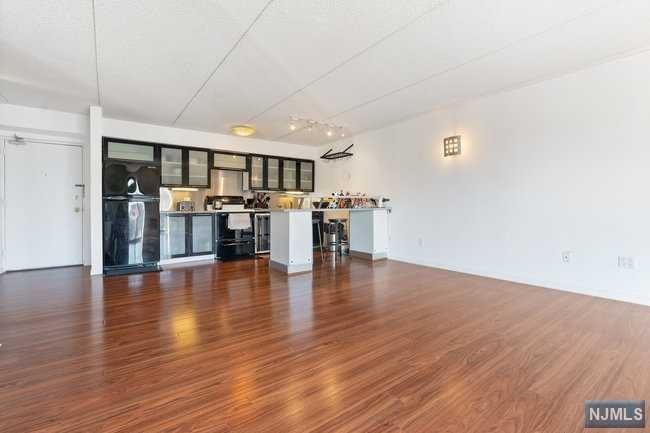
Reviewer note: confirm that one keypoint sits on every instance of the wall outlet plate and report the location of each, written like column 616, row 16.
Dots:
column 566, row 256
column 626, row 262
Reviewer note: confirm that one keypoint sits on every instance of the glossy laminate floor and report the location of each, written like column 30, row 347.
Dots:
column 356, row 347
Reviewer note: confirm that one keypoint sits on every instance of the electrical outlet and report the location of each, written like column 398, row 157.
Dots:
column 625, row 262
column 566, row 256
column 420, row 242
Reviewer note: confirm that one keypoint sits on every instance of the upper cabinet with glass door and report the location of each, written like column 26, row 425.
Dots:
column 273, row 173
column 307, row 176
column 184, row 167
column 198, row 172
column 229, row 161
column 171, row 170
column 289, row 174
column 128, row 150
column 257, row 172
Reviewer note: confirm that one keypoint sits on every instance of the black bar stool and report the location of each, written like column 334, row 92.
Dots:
column 319, row 228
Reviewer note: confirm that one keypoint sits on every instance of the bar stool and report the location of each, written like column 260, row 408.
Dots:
column 344, row 243
column 319, row 228
column 338, row 226
column 331, row 230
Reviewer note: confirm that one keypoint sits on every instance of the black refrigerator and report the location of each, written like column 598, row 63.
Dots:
column 131, row 216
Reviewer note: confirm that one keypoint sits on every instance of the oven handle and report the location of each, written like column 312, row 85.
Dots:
column 236, row 243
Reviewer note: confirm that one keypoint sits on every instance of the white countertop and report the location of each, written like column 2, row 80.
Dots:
column 216, row 211
column 357, row 209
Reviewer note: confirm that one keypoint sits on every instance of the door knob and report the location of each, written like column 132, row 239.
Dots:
column 77, row 209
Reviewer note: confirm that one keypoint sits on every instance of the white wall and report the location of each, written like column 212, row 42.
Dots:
column 561, row 165
column 52, row 126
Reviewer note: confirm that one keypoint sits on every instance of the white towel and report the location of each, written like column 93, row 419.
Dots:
column 239, row 221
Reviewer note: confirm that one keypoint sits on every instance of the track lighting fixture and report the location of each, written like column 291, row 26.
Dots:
column 297, row 123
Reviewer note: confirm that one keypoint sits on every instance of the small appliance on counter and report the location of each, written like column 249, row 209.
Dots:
column 185, row 205
column 224, row 202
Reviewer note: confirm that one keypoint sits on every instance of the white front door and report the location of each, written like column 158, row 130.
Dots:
column 43, row 206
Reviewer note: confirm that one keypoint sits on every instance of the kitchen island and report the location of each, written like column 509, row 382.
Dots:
column 292, row 244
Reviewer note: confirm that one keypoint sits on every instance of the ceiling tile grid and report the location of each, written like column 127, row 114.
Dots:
column 291, row 45
column 47, row 53
column 209, row 64
column 155, row 54
column 603, row 34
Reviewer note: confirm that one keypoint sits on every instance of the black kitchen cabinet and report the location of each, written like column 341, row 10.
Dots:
column 306, row 176
column 171, row 166
column 273, row 173
column 186, row 234
column 129, row 150
column 264, row 173
column 184, row 167
column 257, row 172
column 289, row 174
column 230, row 161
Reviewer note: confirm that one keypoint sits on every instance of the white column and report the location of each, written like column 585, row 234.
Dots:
column 369, row 233
column 95, row 190
column 291, row 241
column 2, row 207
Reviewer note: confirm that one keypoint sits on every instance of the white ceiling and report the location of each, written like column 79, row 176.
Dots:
column 361, row 64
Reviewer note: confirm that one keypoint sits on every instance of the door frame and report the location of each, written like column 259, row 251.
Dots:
column 85, row 205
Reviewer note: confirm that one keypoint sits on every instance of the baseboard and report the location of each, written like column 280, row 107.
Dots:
column 291, row 269
column 368, row 256
column 523, row 279
column 187, row 259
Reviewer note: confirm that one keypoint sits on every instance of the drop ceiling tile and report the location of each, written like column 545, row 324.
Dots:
column 47, row 56
column 618, row 29
column 292, row 44
column 442, row 40
column 155, row 54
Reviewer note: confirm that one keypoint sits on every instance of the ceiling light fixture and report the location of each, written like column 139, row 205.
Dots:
column 297, row 123
column 243, row 130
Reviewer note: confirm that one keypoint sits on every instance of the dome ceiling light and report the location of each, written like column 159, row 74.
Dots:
column 243, row 130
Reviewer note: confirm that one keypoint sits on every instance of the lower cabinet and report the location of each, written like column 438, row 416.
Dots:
column 186, row 234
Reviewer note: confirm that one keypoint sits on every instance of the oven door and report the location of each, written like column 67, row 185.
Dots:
column 230, row 249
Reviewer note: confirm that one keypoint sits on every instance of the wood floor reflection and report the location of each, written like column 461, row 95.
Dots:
column 353, row 347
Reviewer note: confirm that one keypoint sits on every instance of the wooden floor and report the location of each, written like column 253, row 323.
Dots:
column 356, row 347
